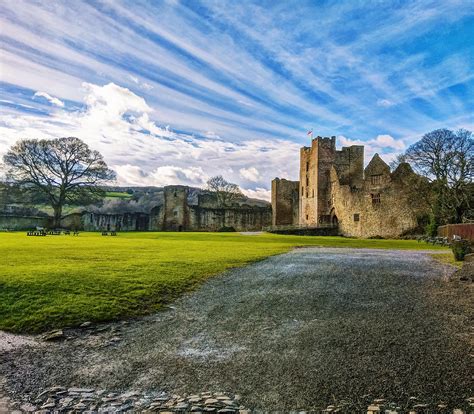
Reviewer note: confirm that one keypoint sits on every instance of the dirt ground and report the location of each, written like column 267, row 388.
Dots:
column 295, row 331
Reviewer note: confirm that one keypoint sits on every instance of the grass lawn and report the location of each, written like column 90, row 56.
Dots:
column 57, row 281
column 117, row 194
column 447, row 258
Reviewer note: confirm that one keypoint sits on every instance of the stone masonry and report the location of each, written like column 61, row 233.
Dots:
column 335, row 190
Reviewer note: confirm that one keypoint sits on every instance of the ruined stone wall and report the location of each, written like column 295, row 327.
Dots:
column 241, row 219
column 72, row 221
column 334, row 189
column 308, row 191
column 115, row 222
column 285, row 202
column 315, row 166
column 13, row 222
column 349, row 163
column 326, row 159
column 381, row 207
column 177, row 215
column 176, row 209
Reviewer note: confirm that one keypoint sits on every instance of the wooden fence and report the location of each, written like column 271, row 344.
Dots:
column 465, row 231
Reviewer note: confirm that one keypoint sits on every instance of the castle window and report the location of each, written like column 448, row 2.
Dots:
column 307, row 181
column 307, row 217
column 357, row 217
column 376, row 179
column 375, row 198
column 307, row 165
column 313, row 193
column 302, row 191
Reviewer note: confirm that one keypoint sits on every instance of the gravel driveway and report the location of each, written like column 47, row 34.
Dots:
column 295, row 331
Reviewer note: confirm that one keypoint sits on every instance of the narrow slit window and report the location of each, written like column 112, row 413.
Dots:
column 357, row 217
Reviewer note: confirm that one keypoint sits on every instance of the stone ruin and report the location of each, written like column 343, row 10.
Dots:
column 335, row 191
column 182, row 209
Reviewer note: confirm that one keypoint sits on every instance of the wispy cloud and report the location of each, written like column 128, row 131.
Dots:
column 52, row 99
column 232, row 80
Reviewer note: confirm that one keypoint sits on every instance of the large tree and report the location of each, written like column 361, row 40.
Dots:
column 65, row 170
column 226, row 193
column 446, row 158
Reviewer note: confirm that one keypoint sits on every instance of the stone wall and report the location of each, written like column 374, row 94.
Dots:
column 12, row 222
column 115, row 222
column 176, row 209
column 349, row 163
column 285, row 202
column 381, row 207
column 308, row 192
column 335, row 190
column 315, row 166
column 181, row 211
column 240, row 218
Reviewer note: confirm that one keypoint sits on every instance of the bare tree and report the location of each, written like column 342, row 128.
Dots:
column 446, row 158
column 63, row 169
column 226, row 193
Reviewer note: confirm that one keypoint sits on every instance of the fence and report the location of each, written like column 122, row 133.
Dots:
column 465, row 231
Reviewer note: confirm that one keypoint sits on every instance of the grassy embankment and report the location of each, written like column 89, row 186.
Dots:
column 56, row 281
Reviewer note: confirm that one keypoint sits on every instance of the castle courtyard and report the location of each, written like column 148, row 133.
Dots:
column 313, row 327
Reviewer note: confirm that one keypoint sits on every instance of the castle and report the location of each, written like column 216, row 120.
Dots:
column 182, row 209
column 335, row 191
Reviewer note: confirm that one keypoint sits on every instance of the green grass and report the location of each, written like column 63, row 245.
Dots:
column 117, row 194
column 57, row 281
column 447, row 258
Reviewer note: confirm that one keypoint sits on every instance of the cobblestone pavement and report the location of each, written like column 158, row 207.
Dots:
column 341, row 330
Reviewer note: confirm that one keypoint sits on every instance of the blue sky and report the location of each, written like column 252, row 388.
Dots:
column 177, row 91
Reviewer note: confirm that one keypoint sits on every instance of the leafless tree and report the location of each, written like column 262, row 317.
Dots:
column 446, row 158
column 226, row 193
column 65, row 170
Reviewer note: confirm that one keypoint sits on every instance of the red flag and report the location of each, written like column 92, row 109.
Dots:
column 309, row 132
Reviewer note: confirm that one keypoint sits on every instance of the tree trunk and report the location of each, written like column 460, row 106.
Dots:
column 58, row 209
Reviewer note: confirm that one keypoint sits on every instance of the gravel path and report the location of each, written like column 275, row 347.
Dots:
column 295, row 331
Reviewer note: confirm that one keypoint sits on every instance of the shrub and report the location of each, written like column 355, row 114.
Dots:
column 432, row 227
column 460, row 249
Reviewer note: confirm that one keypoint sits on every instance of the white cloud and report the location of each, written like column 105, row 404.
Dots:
column 261, row 193
column 250, row 174
column 161, row 176
column 385, row 103
column 385, row 145
column 118, row 123
column 133, row 78
column 387, row 141
column 52, row 99
column 146, row 86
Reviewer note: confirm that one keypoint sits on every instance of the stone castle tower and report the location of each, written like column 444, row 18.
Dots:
column 335, row 191
column 315, row 166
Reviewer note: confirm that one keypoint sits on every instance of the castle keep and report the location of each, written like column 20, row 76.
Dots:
column 336, row 191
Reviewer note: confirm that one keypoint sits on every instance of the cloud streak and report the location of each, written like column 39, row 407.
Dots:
column 233, row 82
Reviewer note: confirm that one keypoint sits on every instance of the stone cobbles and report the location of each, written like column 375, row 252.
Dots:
column 91, row 401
